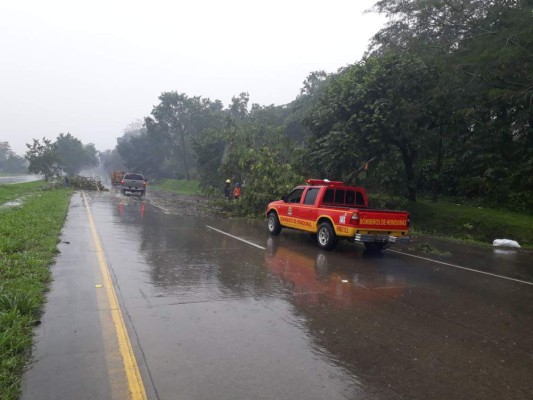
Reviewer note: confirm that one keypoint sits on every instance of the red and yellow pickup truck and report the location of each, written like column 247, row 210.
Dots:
column 333, row 211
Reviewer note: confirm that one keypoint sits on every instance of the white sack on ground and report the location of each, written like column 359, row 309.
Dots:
column 505, row 243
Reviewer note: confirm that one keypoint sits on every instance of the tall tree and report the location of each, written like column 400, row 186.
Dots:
column 177, row 119
column 485, row 47
column 43, row 158
column 369, row 109
column 73, row 155
column 9, row 161
column 238, row 108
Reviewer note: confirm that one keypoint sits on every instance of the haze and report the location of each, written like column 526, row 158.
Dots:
column 93, row 68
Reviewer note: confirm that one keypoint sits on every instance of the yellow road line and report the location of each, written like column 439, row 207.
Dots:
column 135, row 383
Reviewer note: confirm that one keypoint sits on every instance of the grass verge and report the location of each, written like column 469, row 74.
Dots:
column 15, row 191
column 177, row 186
column 28, row 243
column 470, row 223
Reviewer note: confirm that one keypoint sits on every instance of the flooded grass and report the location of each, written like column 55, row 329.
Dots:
column 13, row 192
column 28, row 243
column 12, row 203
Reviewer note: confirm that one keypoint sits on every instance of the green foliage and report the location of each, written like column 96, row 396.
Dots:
column 142, row 152
column 176, row 121
column 266, row 178
column 66, row 154
column 469, row 222
column 444, row 95
column 370, row 109
column 482, row 97
column 257, row 156
column 443, row 100
column 20, row 190
column 73, row 155
column 11, row 163
column 28, row 239
column 238, row 108
column 111, row 160
column 209, row 149
column 43, row 158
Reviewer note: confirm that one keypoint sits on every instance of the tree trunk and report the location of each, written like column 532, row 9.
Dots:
column 185, row 161
column 408, row 156
column 438, row 168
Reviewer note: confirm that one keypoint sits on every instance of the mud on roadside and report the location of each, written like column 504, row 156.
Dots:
column 179, row 204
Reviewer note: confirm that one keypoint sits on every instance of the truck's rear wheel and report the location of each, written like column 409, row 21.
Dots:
column 274, row 227
column 326, row 238
column 376, row 246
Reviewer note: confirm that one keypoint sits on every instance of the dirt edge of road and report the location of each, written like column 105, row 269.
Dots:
column 179, row 204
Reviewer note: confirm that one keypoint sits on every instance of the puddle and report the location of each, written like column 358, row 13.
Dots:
column 10, row 204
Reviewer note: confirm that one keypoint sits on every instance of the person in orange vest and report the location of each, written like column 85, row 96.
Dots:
column 237, row 191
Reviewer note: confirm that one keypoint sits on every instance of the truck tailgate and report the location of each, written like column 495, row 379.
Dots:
column 383, row 220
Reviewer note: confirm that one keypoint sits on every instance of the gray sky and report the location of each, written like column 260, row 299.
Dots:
column 91, row 68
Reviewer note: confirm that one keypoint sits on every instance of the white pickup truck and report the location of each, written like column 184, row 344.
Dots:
column 133, row 183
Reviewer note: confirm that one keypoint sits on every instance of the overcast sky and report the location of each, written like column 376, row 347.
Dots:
column 91, row 68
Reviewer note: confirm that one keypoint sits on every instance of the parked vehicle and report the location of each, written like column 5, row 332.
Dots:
column 116, row 177
column 133, row 183
column 334, row 211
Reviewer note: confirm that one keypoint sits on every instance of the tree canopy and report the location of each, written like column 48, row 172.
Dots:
column 67, row 154
column 10, row 162
column 443, row 101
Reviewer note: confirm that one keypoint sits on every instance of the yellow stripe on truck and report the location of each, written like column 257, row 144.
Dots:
column 298, row 223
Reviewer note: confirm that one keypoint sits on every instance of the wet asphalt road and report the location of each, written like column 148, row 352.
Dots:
column 214, row 317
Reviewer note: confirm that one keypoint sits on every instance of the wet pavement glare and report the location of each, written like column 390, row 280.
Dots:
column 215, row 317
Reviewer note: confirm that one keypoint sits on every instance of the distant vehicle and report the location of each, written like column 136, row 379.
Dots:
column 116, row 177
column 334, row 211
column 133, row 183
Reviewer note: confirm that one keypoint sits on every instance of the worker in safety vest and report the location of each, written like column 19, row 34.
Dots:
column 237, row 191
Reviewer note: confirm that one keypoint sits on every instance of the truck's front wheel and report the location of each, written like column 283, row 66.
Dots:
column 274, row 227
column 325, row 237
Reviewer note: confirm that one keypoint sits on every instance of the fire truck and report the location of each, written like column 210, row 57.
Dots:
column 116, row 177
column 333, row 211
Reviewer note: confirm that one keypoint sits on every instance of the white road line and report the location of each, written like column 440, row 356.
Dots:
column 464, row 268
column 236, row 237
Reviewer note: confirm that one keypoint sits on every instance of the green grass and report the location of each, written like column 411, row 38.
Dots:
column 28, row 240
column 470, row 223
column 15, row 191
column 177, row 186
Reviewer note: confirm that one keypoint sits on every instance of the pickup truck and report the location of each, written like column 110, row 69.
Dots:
column 133, row 183
column 332, row 210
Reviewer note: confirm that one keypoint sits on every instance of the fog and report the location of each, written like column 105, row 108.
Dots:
column 93, row 68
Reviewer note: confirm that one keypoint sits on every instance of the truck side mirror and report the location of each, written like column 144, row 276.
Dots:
column 284, row 198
